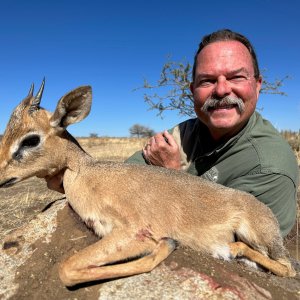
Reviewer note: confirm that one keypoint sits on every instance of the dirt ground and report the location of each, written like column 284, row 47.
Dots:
column 41, row 281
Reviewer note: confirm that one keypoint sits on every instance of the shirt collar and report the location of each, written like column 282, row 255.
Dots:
column 207, row 146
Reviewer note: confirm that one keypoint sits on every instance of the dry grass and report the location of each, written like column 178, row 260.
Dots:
column 114, row 149
column 293, row 138
column 19, row 204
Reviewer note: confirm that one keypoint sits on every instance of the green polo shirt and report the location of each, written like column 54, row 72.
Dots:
column 257, row 160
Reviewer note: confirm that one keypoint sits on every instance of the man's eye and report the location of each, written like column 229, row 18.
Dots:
column 206, row 82
column 238, row 78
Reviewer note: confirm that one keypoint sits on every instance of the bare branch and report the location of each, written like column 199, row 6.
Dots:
column 172, row 89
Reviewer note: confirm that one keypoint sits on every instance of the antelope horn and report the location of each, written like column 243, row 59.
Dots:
column 39, row 94
column 35, row 104
column 30, row 94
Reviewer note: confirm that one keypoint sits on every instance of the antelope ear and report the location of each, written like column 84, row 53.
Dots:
column 72, row 107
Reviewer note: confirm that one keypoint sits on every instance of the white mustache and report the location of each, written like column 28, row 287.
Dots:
column 214, row 103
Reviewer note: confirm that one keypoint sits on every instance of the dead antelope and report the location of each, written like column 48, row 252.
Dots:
column 138, row 211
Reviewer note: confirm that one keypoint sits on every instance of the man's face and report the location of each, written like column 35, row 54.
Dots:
column 224, row 80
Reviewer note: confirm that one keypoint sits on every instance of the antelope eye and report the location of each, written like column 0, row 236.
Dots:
column 30, row 141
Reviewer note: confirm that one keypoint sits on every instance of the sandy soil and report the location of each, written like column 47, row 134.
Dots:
column 42, row 275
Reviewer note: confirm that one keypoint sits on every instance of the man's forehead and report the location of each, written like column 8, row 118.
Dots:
column 224, row 55
column 225, row 46
column 231, row 72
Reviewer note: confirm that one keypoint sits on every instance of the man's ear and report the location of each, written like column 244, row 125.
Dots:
column 258, row 85
column 192, row 87
column 72, row 107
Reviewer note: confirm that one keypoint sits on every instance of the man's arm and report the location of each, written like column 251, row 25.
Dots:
column 136, row 158
column 277, row 191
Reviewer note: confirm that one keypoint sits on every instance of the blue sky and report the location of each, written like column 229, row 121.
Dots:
column 113, row 45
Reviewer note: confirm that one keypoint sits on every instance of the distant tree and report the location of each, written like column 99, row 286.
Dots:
column 174, row 81
column 139, row 131
column 93, row 135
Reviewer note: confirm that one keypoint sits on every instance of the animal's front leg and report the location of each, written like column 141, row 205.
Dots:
column 94, row 262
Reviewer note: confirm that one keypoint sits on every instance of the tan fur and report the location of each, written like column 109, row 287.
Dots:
column 139, row 211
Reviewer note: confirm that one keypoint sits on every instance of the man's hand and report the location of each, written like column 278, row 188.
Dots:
column 162, row 150
column 56, row 182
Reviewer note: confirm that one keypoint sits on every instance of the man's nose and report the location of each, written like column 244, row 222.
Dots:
column 222, row 87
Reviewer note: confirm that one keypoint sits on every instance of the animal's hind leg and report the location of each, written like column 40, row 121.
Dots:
column 283, row 268
column 96, row 261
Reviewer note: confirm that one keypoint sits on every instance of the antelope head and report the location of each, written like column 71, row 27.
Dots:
column 35, row 140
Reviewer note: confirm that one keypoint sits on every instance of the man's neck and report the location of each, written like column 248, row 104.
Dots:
column 221, row 136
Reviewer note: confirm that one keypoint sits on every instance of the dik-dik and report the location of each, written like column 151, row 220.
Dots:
column 140, row 212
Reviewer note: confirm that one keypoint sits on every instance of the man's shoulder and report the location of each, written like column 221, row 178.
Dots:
column 273, row 152
column 188, row 132
column 188, row 125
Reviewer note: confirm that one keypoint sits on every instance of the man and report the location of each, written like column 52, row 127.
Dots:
column 229, row 142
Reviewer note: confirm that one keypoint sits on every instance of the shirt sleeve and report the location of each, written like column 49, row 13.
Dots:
column 277, row 191
column 136, row 158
